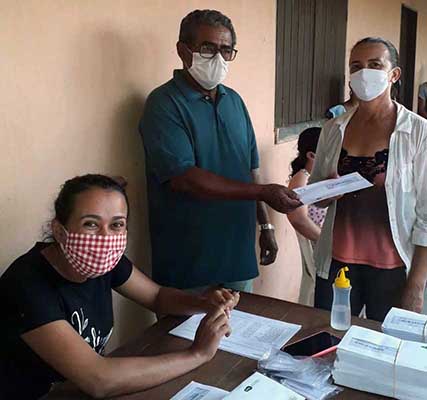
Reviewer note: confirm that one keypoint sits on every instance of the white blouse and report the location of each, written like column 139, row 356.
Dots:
column 406, row 183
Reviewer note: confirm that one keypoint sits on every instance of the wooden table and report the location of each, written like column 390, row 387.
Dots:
column 225, row 370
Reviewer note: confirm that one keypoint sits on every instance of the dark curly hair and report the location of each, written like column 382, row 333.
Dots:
column 196, row 18
column 307, row 141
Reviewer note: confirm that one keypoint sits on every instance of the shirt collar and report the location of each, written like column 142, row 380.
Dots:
column 403, row 123
column 188, row 91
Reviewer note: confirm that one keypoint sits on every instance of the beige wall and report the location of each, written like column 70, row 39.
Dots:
column 74, row 78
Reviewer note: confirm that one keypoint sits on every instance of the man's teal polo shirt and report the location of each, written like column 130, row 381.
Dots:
column 198, row 242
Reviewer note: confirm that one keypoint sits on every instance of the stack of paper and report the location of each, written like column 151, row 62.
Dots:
column 378, row 363
column 252, row 335
column 411, row 371
column 406, row 325
column 256, row 387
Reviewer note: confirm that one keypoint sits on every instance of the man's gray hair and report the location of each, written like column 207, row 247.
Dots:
column 196, row 18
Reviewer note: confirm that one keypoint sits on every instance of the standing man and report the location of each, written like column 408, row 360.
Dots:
column 202, row 168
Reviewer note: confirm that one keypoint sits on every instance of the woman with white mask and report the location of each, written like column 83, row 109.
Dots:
column 380, row 232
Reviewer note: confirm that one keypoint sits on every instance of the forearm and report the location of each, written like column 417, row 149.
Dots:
column 207, row 185
column 261, row 207
column 177, row 302
column 418, row 274
column 422, row 107
column 305, row 226
column 133, row 374
column 262, row 213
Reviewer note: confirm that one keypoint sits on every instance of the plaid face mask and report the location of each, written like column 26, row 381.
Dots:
column 93, row 255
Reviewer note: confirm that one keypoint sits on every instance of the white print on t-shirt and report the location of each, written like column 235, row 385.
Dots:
column 95, row 340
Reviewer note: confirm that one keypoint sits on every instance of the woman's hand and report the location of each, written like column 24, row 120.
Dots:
column 413, row 297
column 211, row 330
column 221, row 297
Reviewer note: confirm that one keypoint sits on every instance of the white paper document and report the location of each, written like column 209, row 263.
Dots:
column 198, row 391
column 252, row 335
column 258, row 386
column 331, row 187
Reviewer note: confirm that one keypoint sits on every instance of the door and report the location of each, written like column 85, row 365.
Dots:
column 408, row 41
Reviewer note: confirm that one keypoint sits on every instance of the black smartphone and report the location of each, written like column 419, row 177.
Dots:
column 312, row 344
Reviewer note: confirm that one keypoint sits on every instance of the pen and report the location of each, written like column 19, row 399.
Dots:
column 324, row 352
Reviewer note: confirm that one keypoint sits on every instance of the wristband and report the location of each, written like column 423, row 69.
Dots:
column 266, row 227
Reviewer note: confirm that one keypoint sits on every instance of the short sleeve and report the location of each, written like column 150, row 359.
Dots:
column 121, row 273
column 251, row 133
column 35, row 304
column 167, row 143
column 422, row 91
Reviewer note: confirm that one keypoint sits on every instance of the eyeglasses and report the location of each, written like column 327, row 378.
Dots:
column 210, row 51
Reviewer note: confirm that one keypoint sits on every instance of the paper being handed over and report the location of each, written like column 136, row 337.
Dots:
column 252, row 335
column 331, row 187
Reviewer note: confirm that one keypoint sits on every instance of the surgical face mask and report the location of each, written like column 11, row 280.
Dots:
column 208, row 72
column 367, row 84
column 93, row 255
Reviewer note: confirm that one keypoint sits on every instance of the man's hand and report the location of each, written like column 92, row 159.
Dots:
column 280, row 198
column 413, row 297
column 268, row 246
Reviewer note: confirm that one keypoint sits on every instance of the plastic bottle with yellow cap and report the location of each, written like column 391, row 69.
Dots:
column 341, row 308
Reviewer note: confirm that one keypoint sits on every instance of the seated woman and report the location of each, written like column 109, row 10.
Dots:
column 306, row 220
column 380, row 232
column 56, row 304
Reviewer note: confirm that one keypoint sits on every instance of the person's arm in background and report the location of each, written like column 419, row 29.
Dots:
column 267, row 238
column 422, row 107
column 299, row 218
column 422, row 100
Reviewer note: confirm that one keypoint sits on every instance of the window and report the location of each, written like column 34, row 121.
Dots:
column 310, row 62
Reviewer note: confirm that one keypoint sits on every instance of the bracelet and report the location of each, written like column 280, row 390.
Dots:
column 266, row 227
column 305, row 172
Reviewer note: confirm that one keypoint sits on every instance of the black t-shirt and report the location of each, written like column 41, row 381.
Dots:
column 32, row 294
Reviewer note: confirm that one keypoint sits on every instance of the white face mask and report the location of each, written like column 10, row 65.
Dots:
column 367, row 84
column 208, row 72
